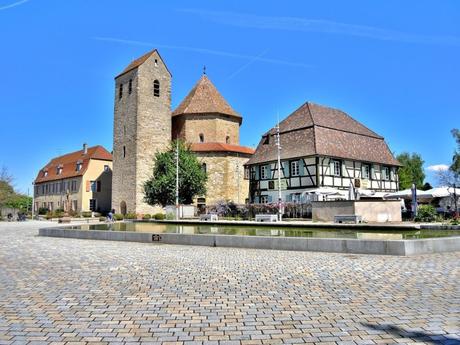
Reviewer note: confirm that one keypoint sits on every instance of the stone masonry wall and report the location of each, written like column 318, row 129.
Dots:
column 142, row 124
column 124, row 135
column 153, row 124
column 214, row 127
column 224, row 170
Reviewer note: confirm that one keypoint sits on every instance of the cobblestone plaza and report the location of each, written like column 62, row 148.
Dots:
column 67, row 291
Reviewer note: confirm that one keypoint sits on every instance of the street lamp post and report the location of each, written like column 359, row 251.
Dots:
column 278, row 145
column 177, row 179
column 33, row 200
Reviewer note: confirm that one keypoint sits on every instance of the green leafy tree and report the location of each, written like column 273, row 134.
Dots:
column 161, row 187
column 6, row 187
column 20, row 202
column 411, row 171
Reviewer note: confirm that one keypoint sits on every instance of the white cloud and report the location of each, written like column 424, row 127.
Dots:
column 252, row 58
column 438, row 167
column 13, row 5
column 318, row 25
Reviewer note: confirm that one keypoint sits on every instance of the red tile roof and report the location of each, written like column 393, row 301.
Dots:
column 139, row 61
column 313, row 129
column 204, row 98
column 220, row 147
column 68, row 163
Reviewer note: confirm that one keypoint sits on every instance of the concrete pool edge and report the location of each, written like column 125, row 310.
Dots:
column 345, row 246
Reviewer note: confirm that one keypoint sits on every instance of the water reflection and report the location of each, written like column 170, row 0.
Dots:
column 364, row 234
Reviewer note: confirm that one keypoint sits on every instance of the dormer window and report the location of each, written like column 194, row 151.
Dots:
column 78, row 167
column 45, row 173
column 201, row 138
column 59, row 170
column 156, row 88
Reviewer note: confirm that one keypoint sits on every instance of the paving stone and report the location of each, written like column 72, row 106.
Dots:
column 56, row 291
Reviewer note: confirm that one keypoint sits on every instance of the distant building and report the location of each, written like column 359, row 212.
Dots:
column 320, row 147
column 78, row 181
column 145, row 125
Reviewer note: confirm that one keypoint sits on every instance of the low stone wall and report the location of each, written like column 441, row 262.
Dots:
column 350, row 246
column 380, row 211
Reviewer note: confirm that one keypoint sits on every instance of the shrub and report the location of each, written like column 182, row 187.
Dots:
column 58, row 213
column 426, row 213
column 146, row 216
column 118, row 216
column 49, row 215
column 170, row 216
column 86, row 214
column 130, row 216
column 42, row 211
column 159, row 216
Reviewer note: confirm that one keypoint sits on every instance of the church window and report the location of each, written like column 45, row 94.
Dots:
column 266, row 139
column 227, row 139
column 156, row 88
column 120, row 91
column 204, row 167
column 124, row 151
column 130, row 86
column 201, row 138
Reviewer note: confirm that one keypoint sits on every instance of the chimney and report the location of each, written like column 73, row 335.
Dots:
column 85, row 148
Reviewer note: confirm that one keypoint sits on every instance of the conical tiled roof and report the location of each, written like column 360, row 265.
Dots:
column 204, row 98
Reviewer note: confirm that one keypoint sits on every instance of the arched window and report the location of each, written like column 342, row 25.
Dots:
column 201, row 138
column 124, row 151
column 227, row 139
column 156, row 88
column 203, row 167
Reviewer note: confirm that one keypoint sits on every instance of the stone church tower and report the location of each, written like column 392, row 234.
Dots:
column 142, row 127
column 206, row 121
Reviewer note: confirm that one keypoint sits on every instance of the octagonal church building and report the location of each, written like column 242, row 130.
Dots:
column 144, row 125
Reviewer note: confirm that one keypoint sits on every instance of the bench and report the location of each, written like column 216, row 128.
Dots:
column 348, row 218
column 266, row 218
column 209, row 217
column 64, row 220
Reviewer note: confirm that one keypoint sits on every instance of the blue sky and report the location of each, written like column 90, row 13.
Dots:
column 392, row 65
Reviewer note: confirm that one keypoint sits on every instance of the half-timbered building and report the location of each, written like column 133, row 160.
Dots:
column 320, row 147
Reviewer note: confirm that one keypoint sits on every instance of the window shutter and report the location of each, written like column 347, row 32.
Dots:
column 88, row 186
column 98, row 186
column 257, row 172
column 285, row 168
column 302, row 168
column 331, row 167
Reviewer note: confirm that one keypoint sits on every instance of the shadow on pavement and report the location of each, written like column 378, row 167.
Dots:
column 415, row 335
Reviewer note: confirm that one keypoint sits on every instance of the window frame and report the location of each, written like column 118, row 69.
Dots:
column 336, row 163
column 294, row 171
column 264, row 172
column 156, row 88
column 368, row 166
column 263, row 199
column 385, row 173
column 120, row 91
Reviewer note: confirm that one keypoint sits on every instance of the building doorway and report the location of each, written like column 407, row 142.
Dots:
column 123, row 207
